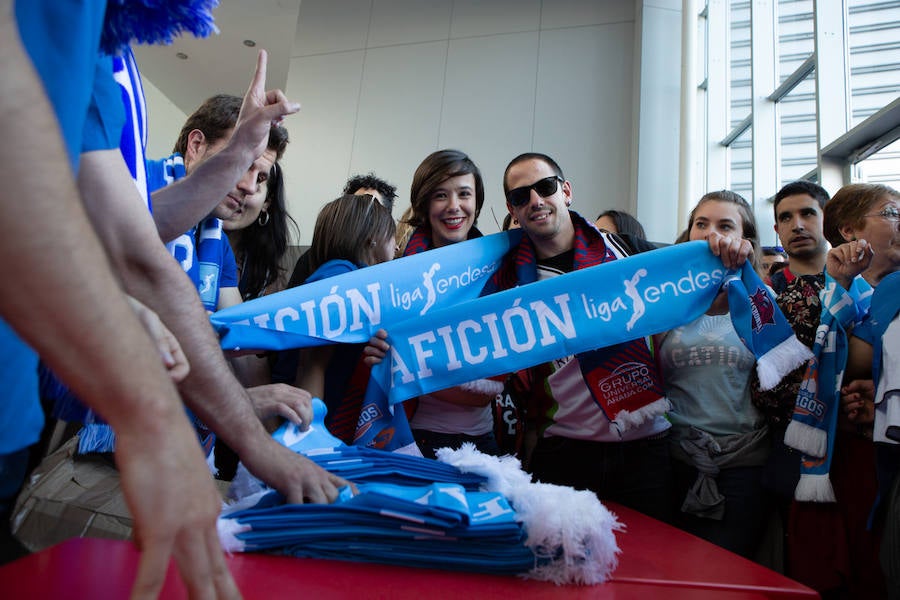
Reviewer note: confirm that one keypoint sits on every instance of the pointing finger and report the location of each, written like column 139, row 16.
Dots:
column 258, row 85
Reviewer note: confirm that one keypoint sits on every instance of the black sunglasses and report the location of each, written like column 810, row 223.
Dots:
column 544, row 187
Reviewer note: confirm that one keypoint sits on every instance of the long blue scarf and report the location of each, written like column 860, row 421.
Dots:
column 349, row 308
column 814, row 422
column 459, row 340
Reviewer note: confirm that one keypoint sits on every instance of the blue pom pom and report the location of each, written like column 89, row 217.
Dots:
column 96, row 437
column 154, row 22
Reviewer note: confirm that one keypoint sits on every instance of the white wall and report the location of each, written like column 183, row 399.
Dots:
column 164, row 121
column 385, row 82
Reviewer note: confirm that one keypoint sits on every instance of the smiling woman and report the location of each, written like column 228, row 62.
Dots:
column 447, row 194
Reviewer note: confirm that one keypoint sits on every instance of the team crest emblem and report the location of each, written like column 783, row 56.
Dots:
column 762, row 309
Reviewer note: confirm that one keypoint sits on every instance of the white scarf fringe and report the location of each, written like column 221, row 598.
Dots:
column 814, row 488
column 569, row 528
column 809, row 440
column 772, row 366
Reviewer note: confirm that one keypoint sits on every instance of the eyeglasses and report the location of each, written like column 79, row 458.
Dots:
column 544, row 187
column 892, row 213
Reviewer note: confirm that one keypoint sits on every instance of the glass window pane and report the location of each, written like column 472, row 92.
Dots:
column 739, row 70
column 797, row 123
column 882, row 167
column 874, row 27
column 740, row 161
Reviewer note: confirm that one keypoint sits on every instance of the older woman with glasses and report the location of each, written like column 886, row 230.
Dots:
column 867, row 212
column 862, row 223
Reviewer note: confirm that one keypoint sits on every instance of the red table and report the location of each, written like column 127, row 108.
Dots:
column 657, row 560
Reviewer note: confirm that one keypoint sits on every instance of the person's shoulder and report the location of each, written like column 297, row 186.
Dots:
column 332, row 268
column 779, row 282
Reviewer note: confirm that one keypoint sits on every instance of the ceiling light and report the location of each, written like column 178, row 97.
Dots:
column 249, row 43
column 182, row 55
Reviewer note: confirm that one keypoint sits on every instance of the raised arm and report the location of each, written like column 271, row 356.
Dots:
column 58, row 292
column 180, row 206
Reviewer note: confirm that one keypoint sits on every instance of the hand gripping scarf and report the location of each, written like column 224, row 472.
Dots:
column 813, row 424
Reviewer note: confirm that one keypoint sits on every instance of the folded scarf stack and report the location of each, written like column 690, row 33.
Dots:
column 467, row 512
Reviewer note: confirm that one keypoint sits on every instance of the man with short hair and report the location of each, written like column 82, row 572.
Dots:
column 577, row 444
column 799, row 220
column 204, row 134
column 373, row 185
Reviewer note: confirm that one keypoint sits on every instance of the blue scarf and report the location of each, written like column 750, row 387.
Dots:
column 463, row 339
column 568, row 314
column 350, row 308
column 133, row 140
column 208, row 236
column 814, row 422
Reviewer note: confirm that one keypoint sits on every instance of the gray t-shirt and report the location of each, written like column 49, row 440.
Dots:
column 707, row 373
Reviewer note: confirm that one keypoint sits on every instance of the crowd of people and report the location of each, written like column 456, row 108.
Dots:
column 114, row 299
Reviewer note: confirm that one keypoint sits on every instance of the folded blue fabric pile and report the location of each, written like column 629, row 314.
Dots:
column 438, row 525
column 360, row 464
column 409, row 511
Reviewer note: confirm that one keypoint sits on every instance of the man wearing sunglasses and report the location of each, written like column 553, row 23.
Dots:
column 570, row 439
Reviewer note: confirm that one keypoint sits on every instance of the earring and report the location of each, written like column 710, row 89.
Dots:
column 263, row 221
column 515, row 221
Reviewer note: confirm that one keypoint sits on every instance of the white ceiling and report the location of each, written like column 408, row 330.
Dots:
column 222, row 63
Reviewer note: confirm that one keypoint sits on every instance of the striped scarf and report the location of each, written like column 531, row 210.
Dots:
column 814, row 422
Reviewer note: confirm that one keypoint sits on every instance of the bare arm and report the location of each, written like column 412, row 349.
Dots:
column 178, row 207
column 150, row 274
column 311, row 369
column 59, row 294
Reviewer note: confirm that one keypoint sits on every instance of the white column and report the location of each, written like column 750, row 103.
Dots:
column 766, row 145
column 832, row 88
column 687, row 147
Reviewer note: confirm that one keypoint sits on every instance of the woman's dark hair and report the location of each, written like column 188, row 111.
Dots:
column 349, row 228
column 625, row 223
column 437, row 168
column 261, row 247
